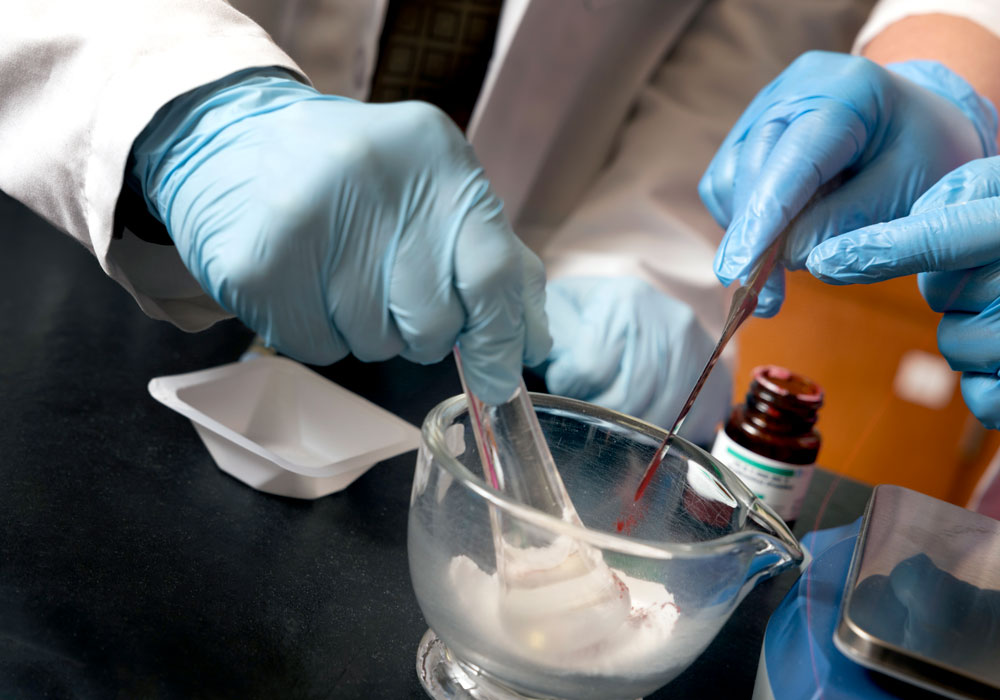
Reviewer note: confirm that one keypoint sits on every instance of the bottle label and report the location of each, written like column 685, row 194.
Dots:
column 780, row 485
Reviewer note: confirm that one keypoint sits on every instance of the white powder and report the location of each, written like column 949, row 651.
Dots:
column 641, row 645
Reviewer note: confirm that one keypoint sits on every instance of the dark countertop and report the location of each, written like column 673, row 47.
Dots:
column 131, row 567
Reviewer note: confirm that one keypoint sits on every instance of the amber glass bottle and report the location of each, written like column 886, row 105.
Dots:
column 771, row 441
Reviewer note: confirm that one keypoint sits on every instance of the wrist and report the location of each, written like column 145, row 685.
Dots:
column 182, row 127
column 942, row 81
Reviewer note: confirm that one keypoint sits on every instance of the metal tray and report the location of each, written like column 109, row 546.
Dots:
column 922, row 598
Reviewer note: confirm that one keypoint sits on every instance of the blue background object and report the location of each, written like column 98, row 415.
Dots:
column 799, row 653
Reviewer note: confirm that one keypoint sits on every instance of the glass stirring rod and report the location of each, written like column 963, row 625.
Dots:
column 555, row 591
column 514, row 454
column 743, row 304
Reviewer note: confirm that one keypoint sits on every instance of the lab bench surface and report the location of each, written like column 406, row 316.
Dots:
column 131, row 567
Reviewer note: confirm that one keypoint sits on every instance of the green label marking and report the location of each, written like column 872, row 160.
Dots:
column 765, row 467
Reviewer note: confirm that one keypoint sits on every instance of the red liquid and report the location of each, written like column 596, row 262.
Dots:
column 647, row 477
column 653, row 466
column 631, row 515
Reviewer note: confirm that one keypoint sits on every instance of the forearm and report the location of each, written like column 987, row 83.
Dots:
column 80, row 80
column 965, row 46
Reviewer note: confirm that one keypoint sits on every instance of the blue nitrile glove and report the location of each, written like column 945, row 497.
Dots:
column 884, row 134
column 622, row 344
column 922, row 608
column 953, row 236
column 330, row 226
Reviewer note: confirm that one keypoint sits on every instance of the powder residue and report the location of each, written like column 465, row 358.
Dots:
column 642, row 644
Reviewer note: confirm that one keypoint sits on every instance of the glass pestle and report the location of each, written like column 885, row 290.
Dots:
column 558, row 593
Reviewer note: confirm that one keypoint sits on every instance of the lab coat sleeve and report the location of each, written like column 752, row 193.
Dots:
column 632, row 224
column 984, row 12
column 642, row 217
column 79, row 81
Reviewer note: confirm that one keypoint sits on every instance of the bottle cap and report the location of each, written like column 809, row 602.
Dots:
column 782, row 382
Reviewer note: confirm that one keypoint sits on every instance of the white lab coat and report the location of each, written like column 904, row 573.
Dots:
column 596, row 118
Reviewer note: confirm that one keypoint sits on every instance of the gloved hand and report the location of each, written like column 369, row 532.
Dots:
column 920, row 607
column 952, row 237
column 622, row 344
column 884, row 134
column 330, row 226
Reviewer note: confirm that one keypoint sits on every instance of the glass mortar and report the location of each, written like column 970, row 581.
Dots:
column 699, row 540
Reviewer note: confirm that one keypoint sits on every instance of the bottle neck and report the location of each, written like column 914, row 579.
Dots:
column 783, row 415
